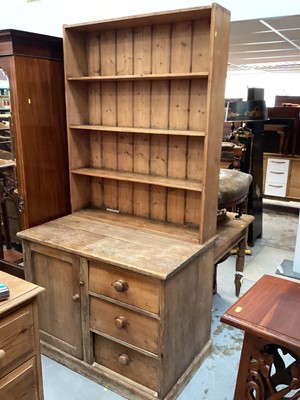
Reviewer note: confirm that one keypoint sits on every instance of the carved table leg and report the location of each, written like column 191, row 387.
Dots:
column 239, row 266
column 265, row 373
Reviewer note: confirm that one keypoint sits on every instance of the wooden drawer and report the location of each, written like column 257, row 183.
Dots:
column 127, row 362
column 16, row 338
column 277, row 164
column 275, row 189
column 22, row 383
column 124, row 324
column 128, row 287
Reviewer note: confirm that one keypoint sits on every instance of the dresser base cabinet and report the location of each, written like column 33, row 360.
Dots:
column 139, row 303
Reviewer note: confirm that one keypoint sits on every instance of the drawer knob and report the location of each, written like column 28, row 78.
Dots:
column 76, row 297
column 120, row 322
column 120, row 286
column 2, row 354
column 123, row 359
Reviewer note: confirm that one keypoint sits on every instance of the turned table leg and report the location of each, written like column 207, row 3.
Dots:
column 239, row 266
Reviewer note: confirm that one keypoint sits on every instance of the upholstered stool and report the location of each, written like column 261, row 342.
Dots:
column 233, row 187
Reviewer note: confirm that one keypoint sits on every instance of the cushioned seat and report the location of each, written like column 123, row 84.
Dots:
column 233, row 187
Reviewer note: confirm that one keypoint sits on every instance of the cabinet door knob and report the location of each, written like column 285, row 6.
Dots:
column 76, row 297
column 2, row 354
column 123, row 359
column 120, row 285
column 120, row 322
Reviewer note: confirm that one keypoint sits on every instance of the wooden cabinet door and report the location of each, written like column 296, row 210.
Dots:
column 41, row 140
column 38, row 125
column 60, row 305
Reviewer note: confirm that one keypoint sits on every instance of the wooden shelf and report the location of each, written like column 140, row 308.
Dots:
column 140, row 178
column 108, row 78
column 148, row 97
column 150, row 131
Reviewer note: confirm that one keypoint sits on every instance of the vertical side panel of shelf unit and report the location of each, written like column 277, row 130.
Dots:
column 141, row 117
column 161, row 48
column 77, row 112
column 124, row 63
column 181, row 47
column 109, row 116
column 219, row 43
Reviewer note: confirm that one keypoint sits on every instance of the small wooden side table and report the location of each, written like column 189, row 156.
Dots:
column 269, row 313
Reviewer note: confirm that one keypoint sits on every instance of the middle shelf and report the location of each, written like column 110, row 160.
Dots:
column 126, row 129
column 140, row 178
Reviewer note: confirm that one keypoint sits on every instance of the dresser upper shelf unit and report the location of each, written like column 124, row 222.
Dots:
column 145, row 105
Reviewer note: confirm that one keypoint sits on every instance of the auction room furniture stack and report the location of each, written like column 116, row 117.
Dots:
column 128, row 275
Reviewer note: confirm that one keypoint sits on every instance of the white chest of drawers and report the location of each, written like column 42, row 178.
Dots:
column 276, row 177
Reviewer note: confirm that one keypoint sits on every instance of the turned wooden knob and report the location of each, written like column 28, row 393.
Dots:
column 120, row 286
column 120, row 322
column 123, row 359
column 76, row 297
column 2, row 354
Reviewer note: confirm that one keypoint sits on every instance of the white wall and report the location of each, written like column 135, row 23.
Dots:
column 48, row 16
column 237, row 84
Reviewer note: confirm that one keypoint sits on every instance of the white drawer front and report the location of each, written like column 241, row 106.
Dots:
column 277, row 164
column 275, row 189
column 274, row 176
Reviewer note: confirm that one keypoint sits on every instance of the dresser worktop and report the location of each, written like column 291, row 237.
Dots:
column 127, row 247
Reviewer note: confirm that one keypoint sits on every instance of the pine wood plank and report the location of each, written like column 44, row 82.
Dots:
column 139, row 178
column 181, row 43
column 124, row 58
column 161, row 48
column 109, row 115
column 141, row 117
column 141, row 77
column 142, row 107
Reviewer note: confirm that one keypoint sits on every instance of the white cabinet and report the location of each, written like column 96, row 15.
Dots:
column 276, row 177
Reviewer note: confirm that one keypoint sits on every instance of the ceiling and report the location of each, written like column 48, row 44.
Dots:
column 268, row 44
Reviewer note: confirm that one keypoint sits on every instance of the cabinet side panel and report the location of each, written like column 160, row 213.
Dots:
column 186, row 317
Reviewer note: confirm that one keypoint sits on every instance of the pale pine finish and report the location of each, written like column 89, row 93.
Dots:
column 20, row 361
column 135, row 259
column 145, row 105
column 151, row 323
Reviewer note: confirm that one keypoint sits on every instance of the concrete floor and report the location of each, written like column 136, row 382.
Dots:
column 216, row 377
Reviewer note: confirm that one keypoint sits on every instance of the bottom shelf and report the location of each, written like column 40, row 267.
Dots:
column 189, row 233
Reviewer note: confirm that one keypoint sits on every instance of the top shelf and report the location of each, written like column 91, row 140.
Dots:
column 192, row 75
